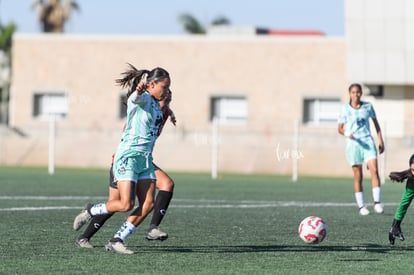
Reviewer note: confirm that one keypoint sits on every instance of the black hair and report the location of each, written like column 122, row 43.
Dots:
column 400, row 176
column 352, row 86
column 411, row 161
column 133, row 76
column 355, row 85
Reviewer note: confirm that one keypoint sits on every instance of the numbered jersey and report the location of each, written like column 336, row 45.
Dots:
column 356, row 121
column 143, row 120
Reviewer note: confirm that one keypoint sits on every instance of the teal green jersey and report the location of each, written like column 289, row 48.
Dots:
column 356, row 121
column 143, row 119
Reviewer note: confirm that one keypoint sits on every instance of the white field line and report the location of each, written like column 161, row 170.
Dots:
column 178, row 203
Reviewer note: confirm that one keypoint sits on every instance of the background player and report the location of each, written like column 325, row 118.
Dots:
column 353, row 123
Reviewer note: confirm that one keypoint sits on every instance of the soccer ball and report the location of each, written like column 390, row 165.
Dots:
column 312, row 230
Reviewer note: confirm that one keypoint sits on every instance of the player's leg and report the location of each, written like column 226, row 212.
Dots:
column 123, row 203
column 125, row 174
column 98, row 221
column 358, row 189
column 370, row 157
column 395, row 231
column 145, row 194
column 165, row 186
column 376, row 185
column 355, row 159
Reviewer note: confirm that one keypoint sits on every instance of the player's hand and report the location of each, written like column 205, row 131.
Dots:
column 381, row 148
column 141, row 87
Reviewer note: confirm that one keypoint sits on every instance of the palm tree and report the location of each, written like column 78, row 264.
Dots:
column 192, row 25
column 53, row 14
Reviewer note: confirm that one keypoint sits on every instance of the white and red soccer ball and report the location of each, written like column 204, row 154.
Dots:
column 312, row 230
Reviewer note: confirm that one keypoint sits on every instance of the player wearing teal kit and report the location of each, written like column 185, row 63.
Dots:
column 353, row 123
column 133, row 167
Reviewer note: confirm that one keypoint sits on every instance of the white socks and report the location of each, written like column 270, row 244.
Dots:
column 126, row 229
column 99, row 209
column 376, row 195
column 359, row 197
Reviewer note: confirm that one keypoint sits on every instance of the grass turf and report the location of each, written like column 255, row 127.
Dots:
column 238, row 224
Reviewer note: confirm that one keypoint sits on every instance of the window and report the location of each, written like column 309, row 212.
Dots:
column 46, row 104
column 229, row 109
column 321, row 111
column 375, row 90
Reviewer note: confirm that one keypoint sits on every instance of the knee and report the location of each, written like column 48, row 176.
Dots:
column 166, row 184
column 126, row 206
column 170, row 185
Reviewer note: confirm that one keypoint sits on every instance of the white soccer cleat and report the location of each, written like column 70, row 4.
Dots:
column 118, row 247
column 83, row 243
column 156, row 234
column 363, row 211
column 378, row 208
column 82, row 218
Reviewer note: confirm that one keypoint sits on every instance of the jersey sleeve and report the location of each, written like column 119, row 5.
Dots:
column 134, row 98
column 342, row 115
column 372, row 113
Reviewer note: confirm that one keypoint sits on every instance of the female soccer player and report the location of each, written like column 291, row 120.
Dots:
column 395, row 231
column 133, row 158
column 353, row 123
column 164, row 184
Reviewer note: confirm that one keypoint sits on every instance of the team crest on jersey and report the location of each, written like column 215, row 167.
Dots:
column 121, row 170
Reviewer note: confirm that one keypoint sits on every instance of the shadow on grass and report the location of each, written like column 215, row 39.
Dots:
column 372, row 248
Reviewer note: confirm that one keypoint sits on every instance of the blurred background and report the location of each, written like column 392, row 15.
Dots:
column 257, row 86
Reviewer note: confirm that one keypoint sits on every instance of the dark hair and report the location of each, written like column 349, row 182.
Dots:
column 400, row 176
column 352, row 86
column 355, row 85
column 411, row 161
column 133, row 76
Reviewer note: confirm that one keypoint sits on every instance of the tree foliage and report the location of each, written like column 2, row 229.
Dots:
column 53, row 14
column 6, row 35
column 192, row 25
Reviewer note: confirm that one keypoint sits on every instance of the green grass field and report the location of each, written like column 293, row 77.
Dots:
column 238, row 224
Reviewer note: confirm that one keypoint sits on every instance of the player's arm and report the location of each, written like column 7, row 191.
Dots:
column 141, row 87
column 379, row 133
column 341, row 131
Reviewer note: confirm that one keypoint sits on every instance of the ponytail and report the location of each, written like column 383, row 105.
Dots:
column 403, row 175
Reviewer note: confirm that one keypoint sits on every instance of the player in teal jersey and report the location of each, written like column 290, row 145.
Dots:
column 164, row 185
column 353, row 123
column 133, row 163
column 395, row 231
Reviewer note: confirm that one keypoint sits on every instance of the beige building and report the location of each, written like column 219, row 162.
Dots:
column 276, row 100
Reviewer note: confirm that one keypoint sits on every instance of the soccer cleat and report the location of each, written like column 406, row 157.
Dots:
column 82, row 218
column 378, row 208
column 363, row 211
column 118, row 247
column 83, row 243
column 155, row 233
column 395, row 232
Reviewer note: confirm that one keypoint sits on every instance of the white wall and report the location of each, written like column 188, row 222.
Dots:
column 380, row 41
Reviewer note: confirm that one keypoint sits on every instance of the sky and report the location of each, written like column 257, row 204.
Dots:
column 161, row 17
